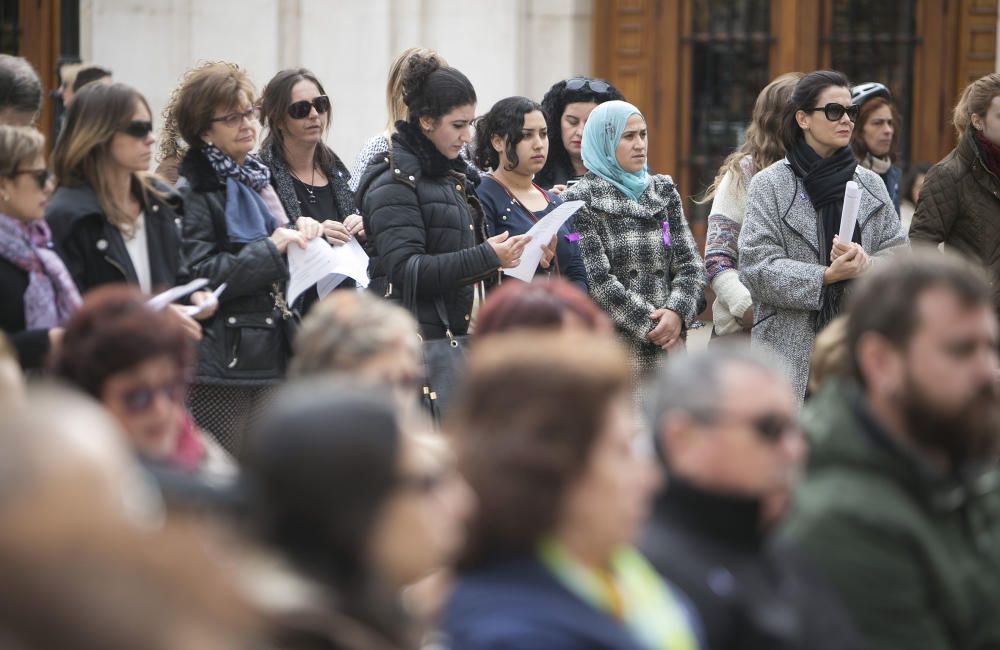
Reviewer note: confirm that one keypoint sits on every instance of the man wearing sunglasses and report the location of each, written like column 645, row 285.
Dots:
column 900, row 505
column 725, row 427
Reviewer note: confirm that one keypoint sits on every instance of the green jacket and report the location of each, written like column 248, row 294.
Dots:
column 914, row 554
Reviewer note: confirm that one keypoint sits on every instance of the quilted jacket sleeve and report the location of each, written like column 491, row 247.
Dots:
column 937, row 209
column 765, row 267
column 393, row 218
column 254, row 267
column 628, row 310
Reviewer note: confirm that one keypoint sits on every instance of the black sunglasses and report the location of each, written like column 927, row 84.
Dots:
column 834, row 111
column 300, row 110
column 41, row 176
column 596, row 85
column 138, row 129
column 772, row 428
column 138, row 400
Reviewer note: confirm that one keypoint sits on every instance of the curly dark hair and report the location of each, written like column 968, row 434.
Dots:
column 431, row 89
column 530, row 413
column 114, row 331
column 553, row 105
column 505, row 119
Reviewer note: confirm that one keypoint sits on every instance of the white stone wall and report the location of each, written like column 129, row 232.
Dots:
column 505, row 47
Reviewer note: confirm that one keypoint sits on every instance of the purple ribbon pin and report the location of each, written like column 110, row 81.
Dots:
column 666, row 234
column 573, row 236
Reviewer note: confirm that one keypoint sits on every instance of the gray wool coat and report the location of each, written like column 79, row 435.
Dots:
column 782, row 265
column 631, row 271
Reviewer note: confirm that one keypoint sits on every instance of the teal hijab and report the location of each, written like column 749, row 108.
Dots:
column 600, row 139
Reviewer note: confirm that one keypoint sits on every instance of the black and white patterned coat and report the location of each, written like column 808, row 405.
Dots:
column 631, row 269
column 781, row 262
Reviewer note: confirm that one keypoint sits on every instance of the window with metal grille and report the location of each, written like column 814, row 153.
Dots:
column 874, row 40
column 730, row 42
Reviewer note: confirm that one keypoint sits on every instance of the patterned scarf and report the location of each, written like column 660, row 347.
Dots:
column 989, row 151
column 51, row 296
column 632, row 593
column 250, row 216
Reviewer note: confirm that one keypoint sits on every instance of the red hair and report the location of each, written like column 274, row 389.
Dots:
column 544, row 304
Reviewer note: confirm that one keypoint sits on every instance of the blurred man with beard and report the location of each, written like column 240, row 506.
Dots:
column 899, row 505
column 725, row 424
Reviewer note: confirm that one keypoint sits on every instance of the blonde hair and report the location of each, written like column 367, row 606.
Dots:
column 829, row 355
column 192, row 104
column 762, row 139
column 19, row 144
column 83, row 150
column 975, row 100
column 394, row 105
column 346, row 329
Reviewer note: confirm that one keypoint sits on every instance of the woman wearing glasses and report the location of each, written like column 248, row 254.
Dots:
column 235, row 231
column 309, row 177
column 112, row 221
column 567, row 105
column 791, row 257
column 135, row 362
column 36, row 290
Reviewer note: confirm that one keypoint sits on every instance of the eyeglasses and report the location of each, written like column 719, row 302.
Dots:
column 596, row 85
column 41, row 176
column 834, row 111
column 772, row 428
column 300, row 110
column 139, row 400
column 232, row 120
column 138, row 129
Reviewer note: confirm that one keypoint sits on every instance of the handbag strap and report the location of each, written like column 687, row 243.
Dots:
column 410, row 297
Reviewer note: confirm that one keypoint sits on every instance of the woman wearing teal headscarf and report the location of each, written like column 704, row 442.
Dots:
column 642, row 263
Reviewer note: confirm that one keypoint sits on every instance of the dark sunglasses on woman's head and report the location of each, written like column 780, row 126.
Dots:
column 300, row 110
column 834, row 111
column 138, row 400
column 138, row 129
column 232, row 120
column 596, row 85
column 41, row 176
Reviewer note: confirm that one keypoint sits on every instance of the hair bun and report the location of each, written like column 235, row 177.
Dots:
column 418, row 69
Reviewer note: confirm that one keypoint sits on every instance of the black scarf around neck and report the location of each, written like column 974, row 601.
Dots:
column 826, row 180
column 432, row 162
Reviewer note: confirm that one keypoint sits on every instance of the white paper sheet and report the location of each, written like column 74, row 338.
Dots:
column 161, row 300
column 325, row 266
column 541, row 234
column 849, row 216
column 213, row 299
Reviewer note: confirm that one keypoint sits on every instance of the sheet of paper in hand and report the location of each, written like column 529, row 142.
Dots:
column 849, row 215
column 161, row 300
column 541, row 234
column 325, row 266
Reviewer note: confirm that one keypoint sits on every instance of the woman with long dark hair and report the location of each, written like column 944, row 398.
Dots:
column 358, row 503
column 567, row 105
column 762, row 146
column 791, row 257
column 420, row 202
column 512, row 143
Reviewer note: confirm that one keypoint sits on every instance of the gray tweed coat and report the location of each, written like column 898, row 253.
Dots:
column 780, row 260
column 630, row 269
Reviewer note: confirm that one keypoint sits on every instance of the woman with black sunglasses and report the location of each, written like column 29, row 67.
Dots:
column 36, row 290
column 791, row 257
column 111, row 220
column 309, row 177
column 567, row 105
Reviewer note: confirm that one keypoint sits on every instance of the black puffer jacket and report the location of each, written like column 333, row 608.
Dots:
column 246, row 342
column 418, row 202
column 94, row 250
